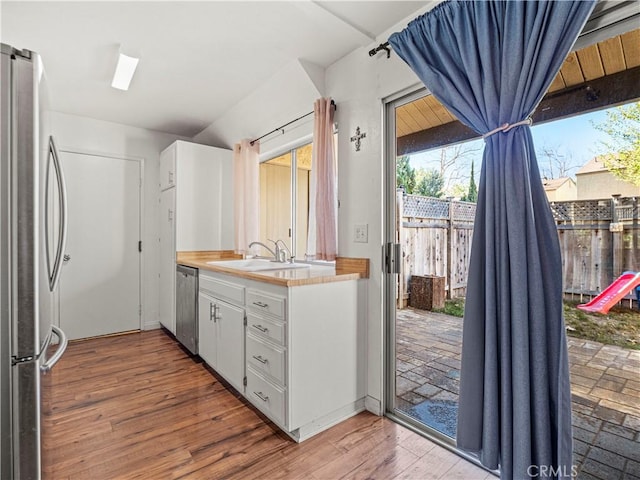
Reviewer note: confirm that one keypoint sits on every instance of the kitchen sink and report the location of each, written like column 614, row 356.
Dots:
column 256, row 265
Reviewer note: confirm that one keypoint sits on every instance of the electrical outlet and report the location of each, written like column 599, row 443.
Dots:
column 361, row 233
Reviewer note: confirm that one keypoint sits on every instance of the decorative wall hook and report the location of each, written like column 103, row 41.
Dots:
column 357, row 137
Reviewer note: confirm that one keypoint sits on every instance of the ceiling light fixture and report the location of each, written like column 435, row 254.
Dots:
column 124, row 72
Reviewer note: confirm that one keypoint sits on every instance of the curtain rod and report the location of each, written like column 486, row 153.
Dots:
column 287, row 124
column 383, row 46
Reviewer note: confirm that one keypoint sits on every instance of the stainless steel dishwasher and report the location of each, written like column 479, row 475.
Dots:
column 187, row 307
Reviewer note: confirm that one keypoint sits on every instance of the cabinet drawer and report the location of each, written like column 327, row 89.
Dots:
column 262, row 302
column 266, row 396
column 224, row 290
column 266, row 358
column 267, row 328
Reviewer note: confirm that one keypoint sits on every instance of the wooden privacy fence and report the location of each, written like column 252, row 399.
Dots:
column 599, row 240
column 435, row 236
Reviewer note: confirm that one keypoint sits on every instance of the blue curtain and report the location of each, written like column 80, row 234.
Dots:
column 490, row 63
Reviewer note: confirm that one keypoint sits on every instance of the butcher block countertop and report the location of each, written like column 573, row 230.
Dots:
column 345, row 269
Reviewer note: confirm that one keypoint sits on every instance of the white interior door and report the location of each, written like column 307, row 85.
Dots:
column 100, row 283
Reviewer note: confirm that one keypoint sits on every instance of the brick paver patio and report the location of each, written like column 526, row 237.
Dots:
column 605, row 386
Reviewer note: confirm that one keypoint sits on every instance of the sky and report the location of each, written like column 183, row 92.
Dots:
column 573, row 138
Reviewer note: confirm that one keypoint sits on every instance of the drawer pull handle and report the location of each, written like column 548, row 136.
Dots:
column 261, row 305
column 261, row 328
column 259, row 358
column 213, row 312
column 261, row 396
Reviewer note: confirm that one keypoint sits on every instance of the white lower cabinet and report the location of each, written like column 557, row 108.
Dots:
column 298, row 355
column 267, row 359
column 267, row 396
column 221, row 338
column 207, row 331
column 230, row 358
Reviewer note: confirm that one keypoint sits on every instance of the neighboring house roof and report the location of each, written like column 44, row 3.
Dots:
column 596, row 164
column 555, row 183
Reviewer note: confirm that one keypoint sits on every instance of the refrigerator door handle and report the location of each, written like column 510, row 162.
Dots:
column 62, row 238
column 48, row 365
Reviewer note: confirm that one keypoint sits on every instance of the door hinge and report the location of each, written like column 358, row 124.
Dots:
column 244, row 381
column 140, row 245
column 245, row 319
column 139, row 310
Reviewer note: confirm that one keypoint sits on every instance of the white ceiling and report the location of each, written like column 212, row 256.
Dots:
column 197, row 59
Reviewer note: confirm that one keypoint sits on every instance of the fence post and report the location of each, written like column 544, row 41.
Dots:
column 400, row 240
column 617, row 241
column 450, row 244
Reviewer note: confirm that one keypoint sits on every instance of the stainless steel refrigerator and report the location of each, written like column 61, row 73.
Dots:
column 32, row 240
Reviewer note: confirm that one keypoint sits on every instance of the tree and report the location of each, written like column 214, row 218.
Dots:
column 405, row 175
column 472, row 193
column 454, row 162
column 554, row 164
column 623, row 126
column 430, row 184
column 459, row 190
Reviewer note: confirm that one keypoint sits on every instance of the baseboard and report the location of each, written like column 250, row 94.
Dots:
column 373, row 405
column 151, row 325
column 327, row 421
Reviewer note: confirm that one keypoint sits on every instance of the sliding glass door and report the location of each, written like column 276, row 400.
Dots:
column 430, row 194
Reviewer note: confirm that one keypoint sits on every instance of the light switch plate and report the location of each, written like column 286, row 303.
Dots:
column 361, row 233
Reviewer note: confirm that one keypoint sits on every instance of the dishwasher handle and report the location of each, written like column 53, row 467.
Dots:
column 187, row 271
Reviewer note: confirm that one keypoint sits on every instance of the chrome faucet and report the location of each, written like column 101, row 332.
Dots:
column 280, row 253
column 275, row 254
column 282, row 257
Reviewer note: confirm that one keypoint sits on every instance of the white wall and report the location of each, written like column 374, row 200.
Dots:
column 88, row 135
column 289, row 94
column 603, row 184
column 359, row 84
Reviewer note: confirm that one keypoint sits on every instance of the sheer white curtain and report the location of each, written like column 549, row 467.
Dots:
column 323, row 196
column 246, row 194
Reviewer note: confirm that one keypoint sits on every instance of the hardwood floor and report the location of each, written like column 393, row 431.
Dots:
column 138, row 407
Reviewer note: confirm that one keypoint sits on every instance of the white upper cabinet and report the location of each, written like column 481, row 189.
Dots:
column 168, row 167
column 202, row 176
column 204, row 198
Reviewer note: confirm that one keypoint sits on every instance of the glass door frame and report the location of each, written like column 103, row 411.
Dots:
column 390, row 282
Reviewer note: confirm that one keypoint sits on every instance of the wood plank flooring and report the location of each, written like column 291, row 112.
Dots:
column 138, row 407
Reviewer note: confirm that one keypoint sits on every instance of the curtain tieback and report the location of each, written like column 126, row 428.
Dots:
column 506, row 127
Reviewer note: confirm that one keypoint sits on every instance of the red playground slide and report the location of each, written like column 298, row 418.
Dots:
column 613, row 293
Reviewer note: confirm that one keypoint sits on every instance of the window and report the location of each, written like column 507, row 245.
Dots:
column 284, row 210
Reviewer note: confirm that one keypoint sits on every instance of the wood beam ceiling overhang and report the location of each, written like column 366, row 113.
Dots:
column 610, row 90
column 582, row 71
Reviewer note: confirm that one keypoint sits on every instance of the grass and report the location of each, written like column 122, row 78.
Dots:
column 453, row 307
column 621, row 326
